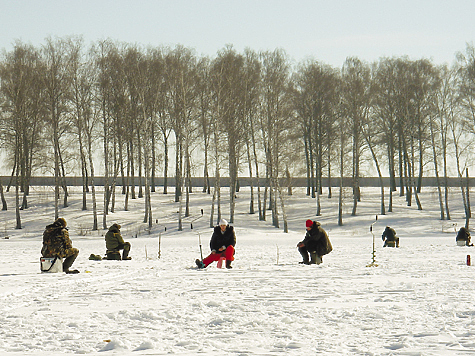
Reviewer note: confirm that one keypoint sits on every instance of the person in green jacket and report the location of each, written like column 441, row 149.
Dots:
column 115, row 242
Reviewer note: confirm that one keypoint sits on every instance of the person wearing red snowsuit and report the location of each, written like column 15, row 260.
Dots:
column 222, row 244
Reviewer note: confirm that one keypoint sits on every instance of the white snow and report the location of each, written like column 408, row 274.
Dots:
column 419, row 300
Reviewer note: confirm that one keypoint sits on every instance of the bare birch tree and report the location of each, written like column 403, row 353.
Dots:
column 356, row 100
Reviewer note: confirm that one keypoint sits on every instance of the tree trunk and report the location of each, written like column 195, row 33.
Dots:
column 139, row 150
column 83, row 174
column 165, row 165
column 106, row 166
column 284, row 211
column 56, row 173
column 340, row 195
column 4, row 201
column 152, row 172
column 188, row 181
column 213, row 200
column 132, row 170
column 95, row 225
column 63, row 179
column 177, row 170
column 468, row 211
column 232, row 179
column 249, row 160
column 17, row 200
column 127, row 190
column 436, row 171
column 206, row 185
column 329, row 172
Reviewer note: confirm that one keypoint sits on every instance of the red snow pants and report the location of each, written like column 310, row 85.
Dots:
column 228, row 254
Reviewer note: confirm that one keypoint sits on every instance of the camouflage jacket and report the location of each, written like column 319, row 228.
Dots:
column 56, row 242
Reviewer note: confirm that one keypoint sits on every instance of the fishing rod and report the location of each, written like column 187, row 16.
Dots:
column 199, row 234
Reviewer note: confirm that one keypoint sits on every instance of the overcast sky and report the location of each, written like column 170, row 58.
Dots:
column 327, row 30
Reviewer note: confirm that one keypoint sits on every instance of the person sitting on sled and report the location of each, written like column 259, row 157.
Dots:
column 464, row 237
column 316, row 243
column 115, row 242
column 56, row 243
column 222, row 244
column 389, row 237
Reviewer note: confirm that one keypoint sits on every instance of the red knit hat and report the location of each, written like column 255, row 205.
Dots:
column 308, row 223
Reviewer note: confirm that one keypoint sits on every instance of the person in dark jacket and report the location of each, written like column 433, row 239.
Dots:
column 389, row 234
column 115, row 242
column 56, row 243
column 222, row 244
column 464, row 236
column 316, row 243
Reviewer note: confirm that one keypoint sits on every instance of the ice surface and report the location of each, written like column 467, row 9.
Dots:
column 418, row 301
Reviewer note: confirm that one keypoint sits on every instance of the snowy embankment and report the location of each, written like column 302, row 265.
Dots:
column 418, row 301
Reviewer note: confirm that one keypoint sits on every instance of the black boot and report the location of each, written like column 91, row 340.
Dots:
column 303, row 251
column 200, row 263
column 72, row 271
column 228, row 264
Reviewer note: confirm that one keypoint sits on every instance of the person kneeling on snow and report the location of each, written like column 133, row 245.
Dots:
column 222, row 244
column 316, row 243
column 56, row 243
column 115, row 243
column 464, row 237
column 389, row 237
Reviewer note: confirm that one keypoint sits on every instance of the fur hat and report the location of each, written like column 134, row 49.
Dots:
column 60, row 222
column 117, row 226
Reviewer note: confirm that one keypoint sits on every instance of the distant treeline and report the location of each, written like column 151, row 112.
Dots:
column 142, row 112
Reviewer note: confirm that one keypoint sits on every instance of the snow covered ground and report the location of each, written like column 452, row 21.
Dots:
column 419, row 300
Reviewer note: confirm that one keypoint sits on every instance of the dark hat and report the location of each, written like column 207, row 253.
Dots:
column 116, row 226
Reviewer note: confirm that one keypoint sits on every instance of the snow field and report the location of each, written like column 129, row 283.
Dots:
column 418, row 301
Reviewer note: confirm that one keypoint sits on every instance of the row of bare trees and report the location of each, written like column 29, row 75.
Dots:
column 137, row 113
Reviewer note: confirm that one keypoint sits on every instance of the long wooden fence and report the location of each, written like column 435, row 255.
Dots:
column 246, row 181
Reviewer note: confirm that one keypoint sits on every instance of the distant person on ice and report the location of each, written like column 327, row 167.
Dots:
column 115, row 242
column 316, row 243
column 389, row 235
column 56, row 243
column 222, row 244
column 464, row 237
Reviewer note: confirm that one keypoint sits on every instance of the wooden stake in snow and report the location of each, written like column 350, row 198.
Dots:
column 159, row 245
